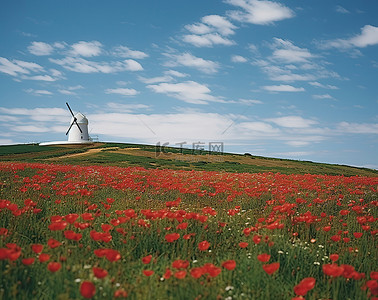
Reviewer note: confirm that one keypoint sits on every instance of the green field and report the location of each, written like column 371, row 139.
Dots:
column 118, row 154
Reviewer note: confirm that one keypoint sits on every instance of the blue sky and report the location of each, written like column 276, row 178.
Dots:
column 288, row 79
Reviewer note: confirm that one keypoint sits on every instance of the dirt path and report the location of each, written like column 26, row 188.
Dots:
column 88, row 152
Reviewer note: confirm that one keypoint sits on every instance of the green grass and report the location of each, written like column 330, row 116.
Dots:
column 148, row 156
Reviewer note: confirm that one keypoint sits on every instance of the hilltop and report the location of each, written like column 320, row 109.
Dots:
column 148, row 156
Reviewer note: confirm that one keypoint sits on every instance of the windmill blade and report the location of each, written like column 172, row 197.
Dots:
column 70, row 127
column 74, row 121
column 77, row 125
column 70, row 110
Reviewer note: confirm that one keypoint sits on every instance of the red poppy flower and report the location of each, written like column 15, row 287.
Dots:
column 120, row 293
column 3, row 231
column 167, row 274
column 374, row 275
column 37, row 248
column 4, row 253
column 357, row 235
column 60, row 225
column 53, row 243
column 304, row 286
column 71, row 218
column 112, row 255
column 106, row 227
column 333, row 270
column 188, row 236
column 271, row 268
column 243, row 244
column 229, row 264
column 14, row 252
column 148, row 272
column 196, row 272
column 212, row 270
column 204, row 245
column 43, row 257
column 28, row 261
column 180, row 274
column 87, row 289
column 171, row 237
column 147, row 259
column 263, row 257
column 334, row 257
column 183, row 225
column 257, row 239
column 99, row 273
column 87, row 216
column 53, row 266
column 335, row 238
column 180, row 264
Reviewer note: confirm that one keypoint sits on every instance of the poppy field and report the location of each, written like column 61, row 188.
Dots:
column 103, row 232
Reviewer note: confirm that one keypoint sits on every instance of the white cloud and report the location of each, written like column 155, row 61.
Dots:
column 188, row 60
column 282, row 88
column 125, row 108
column 341, row 10
column 298, row 143
column 188, row 91
column 40, row 48
column 289, row 63
column 122, row 91
column 260, row 127
column 70, row 90
column 38, row 92
column 60, row 45
column 259, row 12
column 210, row 32
column 6, row 142
column 175, row 73
column 220, row 24
column 207, row 40
column 126, row 52
column 278, row 73
column 292, row 122
column 86, row 49
column 39, row 77
column 359, row 128
column 238, row 59
column 248, row 101
column 30, row 128
column 66, row 92
column 132, row 65
column 198, row 28
column 29, row 65
column 53, row 111
column 81, row 65
column 158, row 79
column 324, row 86
column 324, row 96
column 18, row 67
column 368, row 37
column 287, row 52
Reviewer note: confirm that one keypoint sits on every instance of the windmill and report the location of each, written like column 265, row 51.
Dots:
column 77, row 131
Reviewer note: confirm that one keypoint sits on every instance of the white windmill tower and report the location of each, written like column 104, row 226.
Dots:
column 78, row 133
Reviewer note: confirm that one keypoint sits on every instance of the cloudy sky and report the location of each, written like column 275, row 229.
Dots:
column 290, row 79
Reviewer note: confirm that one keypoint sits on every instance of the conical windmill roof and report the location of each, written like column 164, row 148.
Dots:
column 80, row 118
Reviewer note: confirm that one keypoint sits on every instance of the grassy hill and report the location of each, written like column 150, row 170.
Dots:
column 148, row 156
